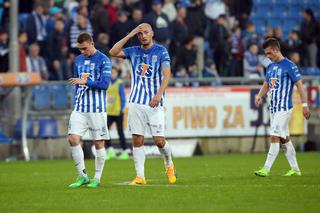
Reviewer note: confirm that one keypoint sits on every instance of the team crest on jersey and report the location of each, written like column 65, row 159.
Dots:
column 154, row 59
column 86, row 62
column 144, row 70
column 92, row 65
column 274, row 83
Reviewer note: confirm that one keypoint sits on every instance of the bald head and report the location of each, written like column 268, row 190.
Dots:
column 145, row 34
column 145, row 26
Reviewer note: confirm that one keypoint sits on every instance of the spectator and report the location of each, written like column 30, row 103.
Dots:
column 102, row 43
column 196, row 22
column 187, row 55
column 74, row 11
column 55, row 14
column 181, row 74
column 36, row 63
column 251, row 65
column 136, row 20
column 214, row 8
column 237, row 50
column 120, row 28
column 57, row 45
column 169, row 9
column 292, row 44
column 218, row 41
column 250, row 35
column 295, row 58
column 210, row 71
column 160, row 23
column 113, row 8
column 36, row 28
column 179, row 29
column 100, row 18
column 4, row 51
column 309, row 29
column 240, row 10
column 82, row 25
column 23, row 38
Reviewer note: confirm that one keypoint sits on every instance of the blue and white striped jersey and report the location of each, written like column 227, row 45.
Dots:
column 97, row 70
column 146, row 74
column 281, row 77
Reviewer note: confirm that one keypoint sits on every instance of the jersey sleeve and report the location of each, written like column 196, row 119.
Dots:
column 75, row 70
column 294, row 73
column 105, row 73
column 129, row 51
column 267, row 78
column 165, row 59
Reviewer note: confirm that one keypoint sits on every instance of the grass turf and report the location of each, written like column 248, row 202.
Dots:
column 219, row 183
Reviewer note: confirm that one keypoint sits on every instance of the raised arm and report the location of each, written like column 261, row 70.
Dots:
column 117, row 49
column 303, row 97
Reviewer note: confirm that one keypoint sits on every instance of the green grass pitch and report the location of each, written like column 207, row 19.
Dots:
column 217, row 183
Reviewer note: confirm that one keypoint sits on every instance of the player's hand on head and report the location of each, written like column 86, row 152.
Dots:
column 135, row 31
column 306, row 112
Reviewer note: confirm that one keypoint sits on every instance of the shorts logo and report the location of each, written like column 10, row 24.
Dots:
column 274, row 83
column 144, row 70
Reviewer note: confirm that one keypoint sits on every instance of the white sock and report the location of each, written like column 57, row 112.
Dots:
column 99, row 163
column 78, row 157
column 166, row 153
column 139, row 158
column 290, row 153
column 272, row 155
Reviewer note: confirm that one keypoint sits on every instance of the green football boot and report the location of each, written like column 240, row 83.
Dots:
column 292, row 172
column 79, row 182
column 123, row 156
column 94, row 183
column 262, row 172
column 110, row 154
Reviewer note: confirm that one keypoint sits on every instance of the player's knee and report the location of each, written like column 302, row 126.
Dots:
column 73, row 140
column 137, row 140
column 159, row 141
column 99, row 144
column 284, row 140
column 275, row 139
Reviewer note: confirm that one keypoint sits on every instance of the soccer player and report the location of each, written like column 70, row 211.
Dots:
column 149, row 78
column 282, row 74
column 92, row 71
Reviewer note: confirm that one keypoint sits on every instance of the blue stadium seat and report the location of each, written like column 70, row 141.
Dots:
column 18, row 129
column 279, row 11
column 3, row 138
column 59, row 96
column 40, row 98
column 263, row 11
column 274, row 22
column 294, row 11
column 48, row 128
column 290, row 24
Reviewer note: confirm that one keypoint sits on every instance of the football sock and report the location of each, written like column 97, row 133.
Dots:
column 272, row 155
column 290, row 153
column 166, row 153
column 78, row 158
column 139, row 158
column 99, row 163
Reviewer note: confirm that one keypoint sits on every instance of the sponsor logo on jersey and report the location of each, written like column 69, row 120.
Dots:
column 274, row 83
column 144, row 70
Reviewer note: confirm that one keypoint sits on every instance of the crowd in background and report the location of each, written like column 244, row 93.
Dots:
column 205, row 38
